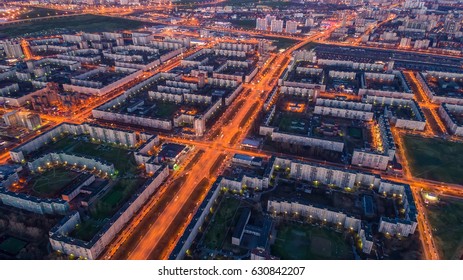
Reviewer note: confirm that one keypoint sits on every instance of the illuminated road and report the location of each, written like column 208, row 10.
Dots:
column 227, row 144
column 435, row 127
column 212, row 28
column 29, row 20
column 82, row 114
column 426, row 103
column 186, row 187
column 349, row 44
column 427, row 242
column 207, row 167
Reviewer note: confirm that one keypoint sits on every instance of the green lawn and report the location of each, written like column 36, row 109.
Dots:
column 165, row 110
column 86, row 23
column 355, row 132
column 237, row 2
column 116, row 197
column 59, row 145
column 281, row 4
column 270, row 3
column 118, row 155
column 446, row 219
column 244, row 23
column 292, row 123
column 52, row 181
column 221, row 223
column 306, row 242
column 434, row 159
column 106, row 207
column 12, row 245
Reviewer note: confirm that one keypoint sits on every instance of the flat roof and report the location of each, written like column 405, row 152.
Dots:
column 239, row 228
column 171, row 150
column 251, row 143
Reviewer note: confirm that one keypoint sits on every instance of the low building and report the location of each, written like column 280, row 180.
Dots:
column 247, row 160
column 259, row 254
column 240, row 226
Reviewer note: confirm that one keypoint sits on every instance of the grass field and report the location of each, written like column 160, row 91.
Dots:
column 306, row 242
column 12, row 245
column 166, row 110
column 116, row 197
column 446, row 219
column 106, row 207
column 222, row 221
column 244, row 23
column 86, row 23
column 117, row 155
column 270, row 3
column 292, row 123
column 282, row 43
column 237, row 2
column 120, row 157
column 52, row 181
column 355, row 132
column 36, row 12
column 434, row 159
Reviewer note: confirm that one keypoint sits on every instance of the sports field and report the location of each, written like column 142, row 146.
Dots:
column 446, row 219
column 306, row 242
column 434, row 159
column 52, row 181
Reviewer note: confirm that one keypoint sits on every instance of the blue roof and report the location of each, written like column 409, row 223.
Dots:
column 250, row 142
column 243, row 157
